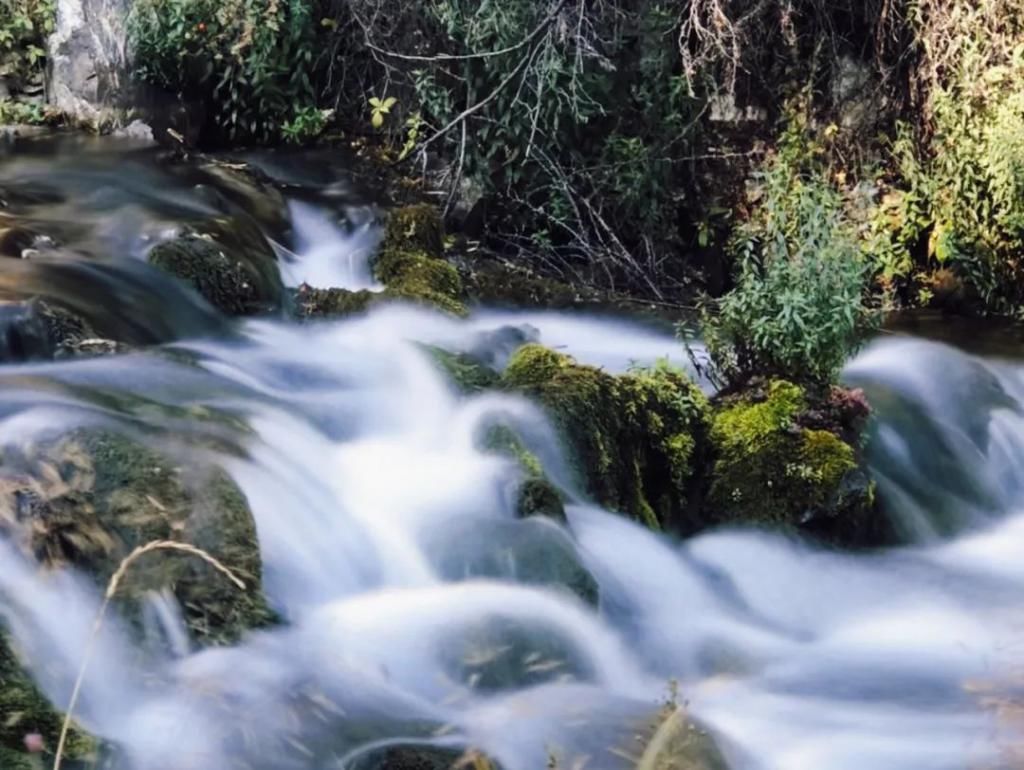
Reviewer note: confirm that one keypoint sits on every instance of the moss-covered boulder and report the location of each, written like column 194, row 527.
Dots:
column 783, row 458
column 409, row 261
column 90, row 498
column 637, row 440
column 311, row 303
column 231, row 278
column 87, row 500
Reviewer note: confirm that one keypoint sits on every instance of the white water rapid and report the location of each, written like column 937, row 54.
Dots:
column 413, row 604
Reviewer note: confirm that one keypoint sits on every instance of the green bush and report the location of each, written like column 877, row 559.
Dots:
column 958, row 198
column 798, row 308
column 24, row 25
column 250, row 62
column 577, row 121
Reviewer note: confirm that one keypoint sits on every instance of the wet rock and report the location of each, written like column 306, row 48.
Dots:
column 532, row 551
column 227, row 278
column 252, row 192
column 497, row 653
column 70, row 335
column 638, row 440
column 37, row 330
column 88, row 499
column 465, row 370
column 494, row 348
column 785, row 458
column 416, row 228
column 309, row 302
column 137, row 131
column 536, row 495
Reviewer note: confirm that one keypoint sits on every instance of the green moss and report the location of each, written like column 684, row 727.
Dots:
column 468, row 374
column 417, row 227
column 23, row 710
column 333, row 303
column 534, row 365
column 635, row 439
column 224, row 278
column 409, row 261
column 92, row 497
column 495, row 283
column 536, row 496
column 770, row 469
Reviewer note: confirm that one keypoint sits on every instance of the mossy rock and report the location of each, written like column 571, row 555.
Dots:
column 90, row 498
column 536, row 495
column 409, row 261
column 637, row 440
column 333, row 303
column 499, row 284
column 417, row 227
column 467, row 373
column 87, row 500
column 227, row 278
column 771, row 469
column 24, row 710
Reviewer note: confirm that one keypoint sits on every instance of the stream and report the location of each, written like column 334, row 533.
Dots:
column 373, row 501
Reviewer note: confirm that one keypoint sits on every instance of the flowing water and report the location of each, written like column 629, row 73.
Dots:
column 375, row 503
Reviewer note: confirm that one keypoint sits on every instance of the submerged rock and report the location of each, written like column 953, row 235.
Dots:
column 637, row 440
column 227, row 278
column 468, row 373
column 531, row 551
column 536, row 495
column 420, row 757
column 779, row 461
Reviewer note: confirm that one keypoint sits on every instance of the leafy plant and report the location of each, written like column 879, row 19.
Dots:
column 308, row 124
column 798, row 308
column 21, row 112
column 250, row 61
column 379, row 109
column 24, row 26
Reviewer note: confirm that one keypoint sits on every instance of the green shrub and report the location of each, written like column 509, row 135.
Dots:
column 249, row 61
column 577, row 121
column 24, row 25
column 958, row 198
column 798, row 309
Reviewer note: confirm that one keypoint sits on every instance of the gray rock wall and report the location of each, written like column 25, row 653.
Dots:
column 87, row 75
